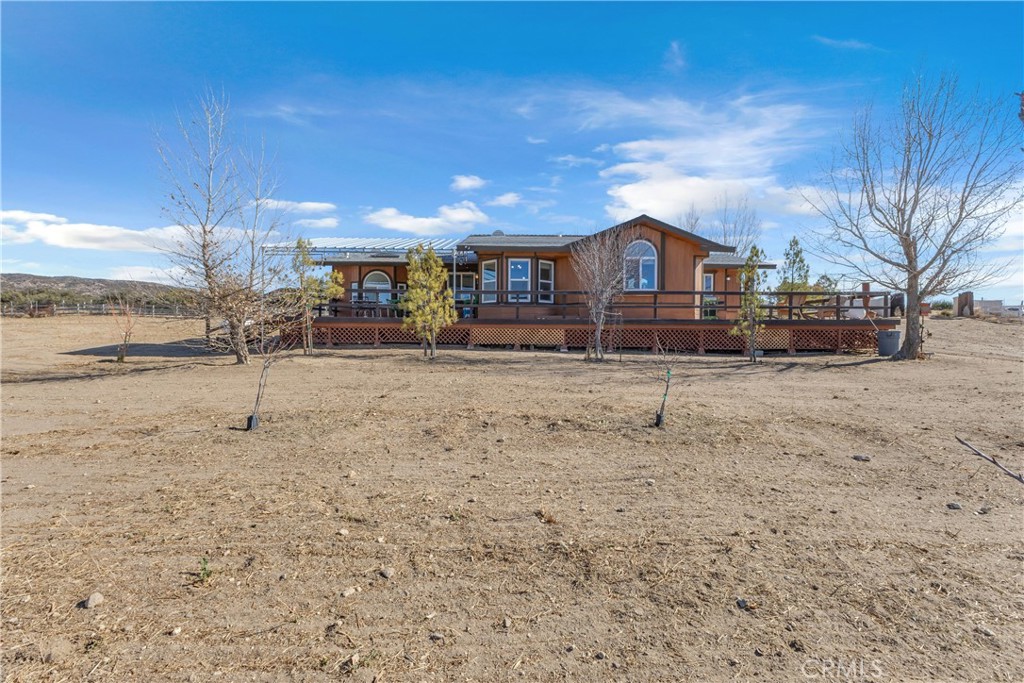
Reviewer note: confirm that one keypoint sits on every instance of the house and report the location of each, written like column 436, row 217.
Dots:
column 680, row 291
column 666, row 271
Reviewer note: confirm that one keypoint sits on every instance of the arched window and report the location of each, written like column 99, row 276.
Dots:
column 640, row 267
column 376, row 280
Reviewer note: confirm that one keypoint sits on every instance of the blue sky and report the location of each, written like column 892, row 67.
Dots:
column 451, row 118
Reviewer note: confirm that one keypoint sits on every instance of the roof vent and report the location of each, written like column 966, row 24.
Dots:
column 497, row 233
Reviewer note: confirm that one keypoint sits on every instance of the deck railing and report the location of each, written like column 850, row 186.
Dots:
column 629, row 306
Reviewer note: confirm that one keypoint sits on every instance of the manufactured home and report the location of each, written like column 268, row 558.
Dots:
column 680, row 291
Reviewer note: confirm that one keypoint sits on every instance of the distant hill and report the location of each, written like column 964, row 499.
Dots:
column 21, row 288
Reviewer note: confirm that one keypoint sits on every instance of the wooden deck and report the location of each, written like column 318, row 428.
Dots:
column 680, row 336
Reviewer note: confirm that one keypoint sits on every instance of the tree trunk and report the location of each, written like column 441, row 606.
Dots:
column 307, row 335
column 752, row 336
column 598, row 333
column 239, row 344
column 433, row 345
column 911, row 347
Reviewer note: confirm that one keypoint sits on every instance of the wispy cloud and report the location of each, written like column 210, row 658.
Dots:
column 466, row 183
column 317, row 223
column 536, row 141
column 299, row 207
column 848, row 44
column 508, row 199
column 25, row 227
column 674, row 59
column 460, row 217
column 295, row 114
column 13, row 265
column 573, row 161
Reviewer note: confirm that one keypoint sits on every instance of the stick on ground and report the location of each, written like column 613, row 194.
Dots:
column 1016, row 475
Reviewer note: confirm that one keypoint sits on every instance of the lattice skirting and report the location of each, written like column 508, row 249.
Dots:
column 680, row 340
column 504, row 336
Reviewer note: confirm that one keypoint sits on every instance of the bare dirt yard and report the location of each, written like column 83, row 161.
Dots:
column 499, row 515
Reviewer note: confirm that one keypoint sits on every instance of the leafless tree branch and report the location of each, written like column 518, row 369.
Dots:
column 912, row 200
column 1016, row 475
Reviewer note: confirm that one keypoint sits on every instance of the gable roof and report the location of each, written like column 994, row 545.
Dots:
column 499, row 240
column 704, row 242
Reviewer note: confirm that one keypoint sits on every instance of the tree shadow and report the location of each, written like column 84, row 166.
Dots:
column 184, row 348
column 854, row 363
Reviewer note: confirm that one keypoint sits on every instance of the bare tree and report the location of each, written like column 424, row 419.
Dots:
column 598, row 261
column 125, row 317
column 911, row 200
column 220, row 198
column 691, row 220
column 735, row 222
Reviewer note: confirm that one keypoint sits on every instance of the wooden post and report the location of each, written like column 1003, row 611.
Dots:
column 965, row 304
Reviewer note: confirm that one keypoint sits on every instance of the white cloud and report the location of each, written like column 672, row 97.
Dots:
column 700, row 153
column 15, row 216
column 464, row 183
column 299, row 207
column 460, row 217
column 536, row 141
column 317, row 223
column 573, row 161
column 24, row 227
column 507, row 199
column 844, row 44
column 674, row 59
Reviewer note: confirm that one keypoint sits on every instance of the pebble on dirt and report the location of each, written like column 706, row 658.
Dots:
column 387, row 572
column 91, row 601
column 954, row 506
column 862, row 458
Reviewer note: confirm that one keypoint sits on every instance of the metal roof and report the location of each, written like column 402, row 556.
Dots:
column 722, row 260
column 364, row 244
column 370, row 250
column 502, row 241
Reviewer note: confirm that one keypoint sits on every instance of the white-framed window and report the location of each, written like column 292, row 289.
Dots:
column 545, row 281
column 489, row 280
column 374, row 281
column 519, row 279
column 462, row 285
column 640, row 266
column 709, row 282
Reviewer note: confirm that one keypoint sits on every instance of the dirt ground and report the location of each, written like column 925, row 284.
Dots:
column 501, row 515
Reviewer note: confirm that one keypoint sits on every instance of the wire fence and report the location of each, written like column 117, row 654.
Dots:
column 48, row 309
